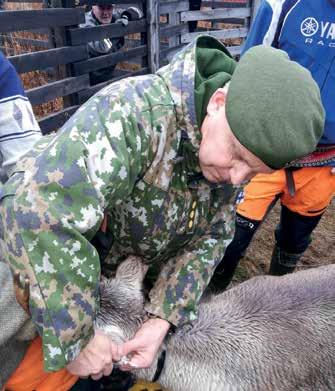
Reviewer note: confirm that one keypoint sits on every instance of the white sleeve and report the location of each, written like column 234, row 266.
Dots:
column 19, row 130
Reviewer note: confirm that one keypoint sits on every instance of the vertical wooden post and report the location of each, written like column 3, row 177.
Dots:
column 144, row 39
column 193, row 5
column 61, row 39
column 68, row 3
column 174, row 19
column 152, row 15
column 215, row 25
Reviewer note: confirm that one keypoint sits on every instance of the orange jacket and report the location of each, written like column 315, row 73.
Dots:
column 30, row 374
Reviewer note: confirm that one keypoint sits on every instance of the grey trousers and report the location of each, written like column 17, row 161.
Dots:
column 16, row 330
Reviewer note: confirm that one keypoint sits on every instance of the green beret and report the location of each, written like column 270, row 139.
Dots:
column 274, row 107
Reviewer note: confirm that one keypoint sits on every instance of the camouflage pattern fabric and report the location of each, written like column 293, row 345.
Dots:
column 132, row 150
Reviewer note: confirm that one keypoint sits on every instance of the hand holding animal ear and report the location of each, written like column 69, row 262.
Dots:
column 95, row 359
column 144, row 346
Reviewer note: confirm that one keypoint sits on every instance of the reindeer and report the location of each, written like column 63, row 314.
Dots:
column 266, row 334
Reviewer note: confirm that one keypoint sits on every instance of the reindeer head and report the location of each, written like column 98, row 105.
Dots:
column 122, row 301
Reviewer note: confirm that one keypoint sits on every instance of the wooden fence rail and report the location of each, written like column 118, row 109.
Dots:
column 215, row 14
column 53, row 57
column 38, row 43
column 25, row 20
column 163, row 31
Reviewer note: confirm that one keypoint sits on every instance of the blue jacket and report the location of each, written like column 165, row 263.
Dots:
column 18, row 127
column 305, row 29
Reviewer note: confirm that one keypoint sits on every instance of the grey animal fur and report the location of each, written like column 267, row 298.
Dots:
column 266, row 334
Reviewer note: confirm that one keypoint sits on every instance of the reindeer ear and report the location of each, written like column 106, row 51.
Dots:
column 132, row 271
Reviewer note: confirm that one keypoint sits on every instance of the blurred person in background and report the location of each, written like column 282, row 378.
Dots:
column 104, row 14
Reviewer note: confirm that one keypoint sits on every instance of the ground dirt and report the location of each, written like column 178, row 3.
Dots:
column 320, row 252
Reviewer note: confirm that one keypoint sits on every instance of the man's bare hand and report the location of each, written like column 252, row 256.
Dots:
column 96, row 359
column 143, row 348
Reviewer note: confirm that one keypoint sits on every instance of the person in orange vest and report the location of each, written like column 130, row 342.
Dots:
column 306, row 189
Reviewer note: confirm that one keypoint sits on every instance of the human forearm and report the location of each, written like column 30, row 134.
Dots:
column 143, row 347
column 184, row 278
column 95, row 359
column 182, row 281
column 63, row 295
column 54, row 206
column 47, row 244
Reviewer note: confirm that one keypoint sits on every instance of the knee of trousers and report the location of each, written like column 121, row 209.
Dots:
column 293, row 234
column 244, row 231
column 292, row 245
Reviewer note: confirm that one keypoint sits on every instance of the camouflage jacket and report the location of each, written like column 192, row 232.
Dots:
column 132, row 150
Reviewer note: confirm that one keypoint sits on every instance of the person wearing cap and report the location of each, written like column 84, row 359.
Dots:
column 159, row 155
column 306, row 188
column 104, row 14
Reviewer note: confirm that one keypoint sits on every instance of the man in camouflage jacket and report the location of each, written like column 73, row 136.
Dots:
column 136, row 151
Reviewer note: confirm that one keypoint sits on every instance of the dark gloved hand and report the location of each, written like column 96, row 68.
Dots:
column 123, row 20
column 132, row 13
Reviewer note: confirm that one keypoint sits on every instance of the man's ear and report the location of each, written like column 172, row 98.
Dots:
column 217, row 101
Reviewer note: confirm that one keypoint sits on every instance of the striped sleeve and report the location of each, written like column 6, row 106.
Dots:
column 19, row 129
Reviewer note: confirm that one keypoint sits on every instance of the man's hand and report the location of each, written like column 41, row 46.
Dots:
column 123, row 20
column 96, row 359
column 143, row 348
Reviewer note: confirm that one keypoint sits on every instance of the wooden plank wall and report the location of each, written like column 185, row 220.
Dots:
column 161, row 33
column 226, row 20
column 58, row 19
column 173, row 29
column 69, row 55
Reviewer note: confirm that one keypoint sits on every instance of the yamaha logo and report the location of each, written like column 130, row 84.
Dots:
column 309, row 27
column 320, row 33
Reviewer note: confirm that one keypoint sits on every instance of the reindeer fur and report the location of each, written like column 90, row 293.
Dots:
column 266, row 334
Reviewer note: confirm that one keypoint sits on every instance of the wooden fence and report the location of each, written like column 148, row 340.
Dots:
column 61, row 44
